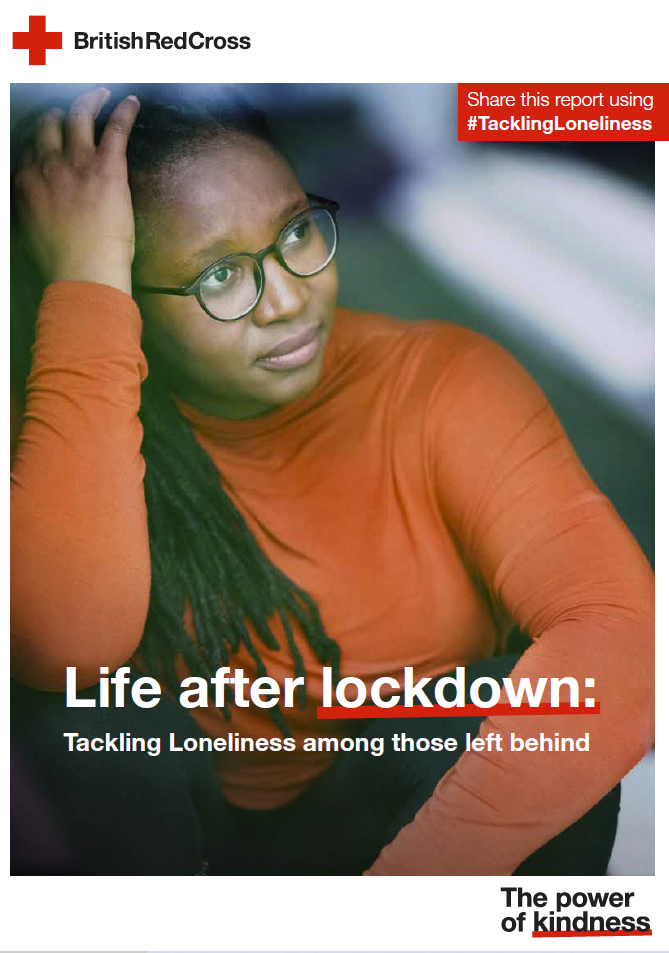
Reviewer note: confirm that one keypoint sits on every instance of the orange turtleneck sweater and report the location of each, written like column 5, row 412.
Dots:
column 424, row 494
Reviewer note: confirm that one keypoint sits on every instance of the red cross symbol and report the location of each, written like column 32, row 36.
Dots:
column 37, row 41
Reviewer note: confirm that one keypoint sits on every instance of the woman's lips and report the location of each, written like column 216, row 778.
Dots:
column 294, row 351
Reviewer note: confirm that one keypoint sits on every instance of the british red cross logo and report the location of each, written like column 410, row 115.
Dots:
column 37, row 41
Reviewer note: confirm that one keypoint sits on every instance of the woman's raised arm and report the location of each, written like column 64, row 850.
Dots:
column 80, row 558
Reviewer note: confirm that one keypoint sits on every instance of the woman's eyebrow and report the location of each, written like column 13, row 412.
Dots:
column 221, row 246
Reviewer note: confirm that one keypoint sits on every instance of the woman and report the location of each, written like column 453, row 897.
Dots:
column 302, row 486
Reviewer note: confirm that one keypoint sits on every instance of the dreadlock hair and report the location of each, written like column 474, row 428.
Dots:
column 202, row 552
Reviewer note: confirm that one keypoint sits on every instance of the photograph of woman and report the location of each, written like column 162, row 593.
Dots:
column 218, row 464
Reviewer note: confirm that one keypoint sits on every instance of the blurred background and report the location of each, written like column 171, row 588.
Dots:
column 547, row 247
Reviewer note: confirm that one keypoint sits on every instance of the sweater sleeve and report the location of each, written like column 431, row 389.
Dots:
column 79, row 540
column 554, row 554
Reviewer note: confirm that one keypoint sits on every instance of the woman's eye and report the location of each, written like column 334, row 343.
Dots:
column 298, row 233
column 221, row 277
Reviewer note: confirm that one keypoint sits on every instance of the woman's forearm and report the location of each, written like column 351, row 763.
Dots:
column 80, row 558
column 494, row 809
column 592, row 619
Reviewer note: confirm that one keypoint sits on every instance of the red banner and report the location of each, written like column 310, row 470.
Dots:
column 541, row 112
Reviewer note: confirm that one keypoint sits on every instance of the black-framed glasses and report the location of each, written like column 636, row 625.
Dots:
column 231, row 287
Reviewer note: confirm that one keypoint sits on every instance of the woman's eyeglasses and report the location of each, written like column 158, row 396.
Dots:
column 232, row 286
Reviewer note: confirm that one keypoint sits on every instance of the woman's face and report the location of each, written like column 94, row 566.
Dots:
column 231, row 196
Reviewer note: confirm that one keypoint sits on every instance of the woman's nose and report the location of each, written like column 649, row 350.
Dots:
column 284, row 296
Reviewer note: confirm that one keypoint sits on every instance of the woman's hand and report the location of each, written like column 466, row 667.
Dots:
column 74, row 199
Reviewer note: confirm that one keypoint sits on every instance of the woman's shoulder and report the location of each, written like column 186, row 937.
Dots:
column 436, row 370
column 432, row 347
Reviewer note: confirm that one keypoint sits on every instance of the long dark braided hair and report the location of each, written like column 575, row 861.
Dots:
column 202, row 552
